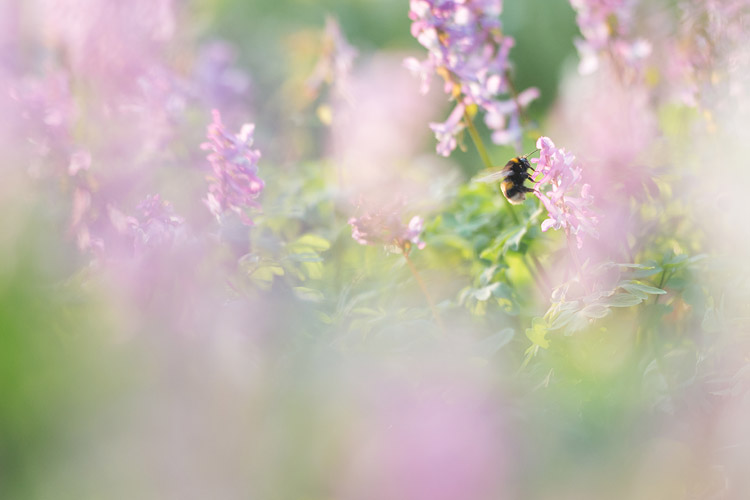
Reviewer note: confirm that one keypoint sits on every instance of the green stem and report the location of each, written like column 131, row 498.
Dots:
column 479, row 144
column 474, row 133
column 662, row 280
column 534, row 272
column 426, row 294
column 542, row 271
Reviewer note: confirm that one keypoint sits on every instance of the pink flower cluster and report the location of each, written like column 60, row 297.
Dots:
column 468, row 50
column 235, row 184
column 385, row 227
column 156, row 225
column 709, row 47
column 336, row 62
column 558, row 185
column 605, row 26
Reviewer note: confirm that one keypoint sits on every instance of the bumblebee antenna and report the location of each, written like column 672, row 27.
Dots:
column 529, row 154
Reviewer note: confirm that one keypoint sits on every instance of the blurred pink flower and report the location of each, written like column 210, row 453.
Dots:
column 108, row 41
column 156, row 224
column 219, row 82
column 44, row 112
column 436, row 443
column 605, row 26
column 234, row 185
column 468, row 50
column 336, row 62
column 567, row 202
column 384, row 226
column 447, row 131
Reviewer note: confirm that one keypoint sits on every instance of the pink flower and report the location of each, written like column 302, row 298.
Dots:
column 336, row 62
column 567, row 202
column 467, row 49
column 446, row 132
column 156, row 224
column 234, row 185
column 605, row 26
column 384, row 226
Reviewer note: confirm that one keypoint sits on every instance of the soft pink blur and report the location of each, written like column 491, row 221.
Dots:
column 375, row 135
column 440, row 440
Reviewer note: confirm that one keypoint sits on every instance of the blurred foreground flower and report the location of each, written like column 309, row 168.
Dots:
column 566, row 202
column 467, row 49
column 235, row 184
column 385, row 227
column 335, row 63
column 156, row 225
column 605, row 26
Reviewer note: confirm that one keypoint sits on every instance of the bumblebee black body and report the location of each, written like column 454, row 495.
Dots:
column 516, row 172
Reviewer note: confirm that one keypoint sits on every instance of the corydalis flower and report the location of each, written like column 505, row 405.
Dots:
column 708, row 48
column 605, row 26
column 336, row 60
column 559, row 187
column 385, row 227
column 156, row 224
column 467, row 49
column 235, row 184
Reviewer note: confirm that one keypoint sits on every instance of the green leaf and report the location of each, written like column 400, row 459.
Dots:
column 306, row 257
column 562, row 317
column 313, row 242
column 308, row 294
column 485, row 292
column 623, row 300
column 640, row 289
column 510, row 239
column 595, row 311
column 453, row 241
column 537, row 334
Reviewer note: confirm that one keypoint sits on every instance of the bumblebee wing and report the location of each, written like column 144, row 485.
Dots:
column 493, row 176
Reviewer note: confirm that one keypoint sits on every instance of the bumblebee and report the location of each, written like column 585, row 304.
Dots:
column 511, row 178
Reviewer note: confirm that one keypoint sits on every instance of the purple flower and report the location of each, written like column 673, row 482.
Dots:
column 567, row 202
column 605, row 26
column 446, row 132
column 109, row 42
column 336, row 61
column 156, row 224
column 467, row 49
column 384, row 226
column 234, row 185
column 219, row 81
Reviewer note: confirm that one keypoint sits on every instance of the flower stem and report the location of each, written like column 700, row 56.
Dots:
column 474, row 133
column 482, row 150
column 426, row 294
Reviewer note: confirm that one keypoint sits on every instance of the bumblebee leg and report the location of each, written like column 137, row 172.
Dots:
column 527, row 176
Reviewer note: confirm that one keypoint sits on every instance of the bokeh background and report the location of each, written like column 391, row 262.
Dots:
column 182, row 356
